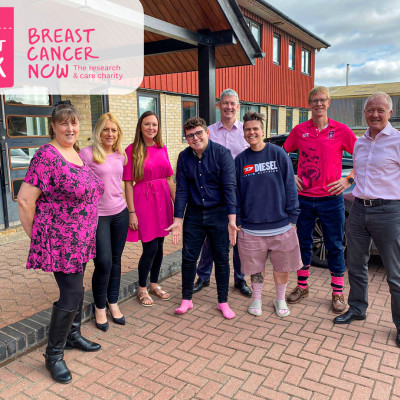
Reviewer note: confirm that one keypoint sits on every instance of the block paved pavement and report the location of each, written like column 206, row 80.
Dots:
column 200, row 355
column 25, row 292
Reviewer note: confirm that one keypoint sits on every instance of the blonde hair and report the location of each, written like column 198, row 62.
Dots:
column 99, row 155
column 63, row 111
column 319, row 89
column 139, row 151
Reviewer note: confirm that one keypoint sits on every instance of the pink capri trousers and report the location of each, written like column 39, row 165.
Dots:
column 283, row 250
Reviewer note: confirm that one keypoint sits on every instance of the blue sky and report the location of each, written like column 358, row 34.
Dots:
column 362, row 33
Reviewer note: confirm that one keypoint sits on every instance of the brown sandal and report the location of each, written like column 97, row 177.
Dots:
column 161, row 294
column 143, row 296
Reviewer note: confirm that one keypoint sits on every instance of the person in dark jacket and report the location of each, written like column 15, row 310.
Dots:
column 267, row 213
column 206, row 196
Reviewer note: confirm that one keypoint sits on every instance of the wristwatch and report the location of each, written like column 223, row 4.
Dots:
column 350, row 180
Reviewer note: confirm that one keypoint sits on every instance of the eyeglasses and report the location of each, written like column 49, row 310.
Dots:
column 199, row 134
column 316, row 101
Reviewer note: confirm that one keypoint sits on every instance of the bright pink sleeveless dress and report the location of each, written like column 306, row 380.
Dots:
column 151, row 195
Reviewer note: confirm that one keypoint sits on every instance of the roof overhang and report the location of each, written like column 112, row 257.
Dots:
column 175, row 30
column 282, row 21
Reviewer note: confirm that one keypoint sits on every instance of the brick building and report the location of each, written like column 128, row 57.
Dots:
column 277, row 84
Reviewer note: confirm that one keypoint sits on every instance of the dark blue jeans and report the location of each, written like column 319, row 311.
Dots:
column 330, row 211
column 198, row 224
column 110, row 242
column 205, row 265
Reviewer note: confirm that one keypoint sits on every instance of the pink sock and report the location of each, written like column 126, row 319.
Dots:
column 337, row 283
column 226, row 311
column 302, row 276
column 280, row 291
column 185, row 305
column 257, row 287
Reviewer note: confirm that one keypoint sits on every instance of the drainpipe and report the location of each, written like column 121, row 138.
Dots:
column 166, row 120
column 3, row 167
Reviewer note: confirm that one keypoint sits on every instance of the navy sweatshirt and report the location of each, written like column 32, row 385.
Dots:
column 266, row 189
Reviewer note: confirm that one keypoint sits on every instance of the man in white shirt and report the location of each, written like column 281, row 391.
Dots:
column 375, row 214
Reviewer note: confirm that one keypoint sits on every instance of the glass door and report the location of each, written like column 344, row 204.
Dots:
column 24, row 128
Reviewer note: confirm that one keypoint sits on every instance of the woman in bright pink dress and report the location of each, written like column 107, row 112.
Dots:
column 149, row 193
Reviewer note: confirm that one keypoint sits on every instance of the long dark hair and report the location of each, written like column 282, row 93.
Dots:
column 140, row 148
column 63, row 111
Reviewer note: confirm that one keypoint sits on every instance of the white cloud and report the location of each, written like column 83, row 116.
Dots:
column 362, row 33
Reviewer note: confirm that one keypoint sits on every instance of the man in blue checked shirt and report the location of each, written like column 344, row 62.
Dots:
column 206, row 188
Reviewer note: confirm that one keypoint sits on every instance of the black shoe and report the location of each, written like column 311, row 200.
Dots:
column 102, row 327
column 75, row 340
column 244, row 289
column 398, row 339
column 119, row 321
column 60, row 324
column 199, row 285
column 349, row 316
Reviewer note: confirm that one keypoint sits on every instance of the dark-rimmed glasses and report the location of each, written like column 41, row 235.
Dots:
column 199, row 134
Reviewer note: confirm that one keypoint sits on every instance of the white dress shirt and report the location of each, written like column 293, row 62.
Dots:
column 377, row 165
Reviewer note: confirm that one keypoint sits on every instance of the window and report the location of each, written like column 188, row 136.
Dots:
column 21, row 126
column 217, row 114
column 96, row 108
column 274, row 120
column 189, row 110
column 289, row 120
column 291, row 55
column 255, row 29
column 147, row 102
column 303, row 116
column 20, row 157
column 305, row 62
column 35, row 96
column 276, row 49
column 248, row 107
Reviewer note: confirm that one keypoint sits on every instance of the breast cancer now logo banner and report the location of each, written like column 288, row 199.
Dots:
column 71, row 46
column 6, row 47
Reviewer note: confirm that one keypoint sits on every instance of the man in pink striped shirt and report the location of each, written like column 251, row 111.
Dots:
column 375, row 214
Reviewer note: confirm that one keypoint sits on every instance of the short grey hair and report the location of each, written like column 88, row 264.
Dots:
column 229, row 92
column 380, row 94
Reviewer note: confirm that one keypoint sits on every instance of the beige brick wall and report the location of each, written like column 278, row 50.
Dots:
column 125, row 110
column 281, row 120
column 171, row 120
column 263, row 110
column 82, row 105
column 296, row 117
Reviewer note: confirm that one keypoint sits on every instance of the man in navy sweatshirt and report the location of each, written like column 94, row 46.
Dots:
column 267, row 213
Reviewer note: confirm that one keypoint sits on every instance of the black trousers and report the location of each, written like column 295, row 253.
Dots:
column 110, row 242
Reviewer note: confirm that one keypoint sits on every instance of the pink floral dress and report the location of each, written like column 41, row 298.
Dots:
column 65, row 222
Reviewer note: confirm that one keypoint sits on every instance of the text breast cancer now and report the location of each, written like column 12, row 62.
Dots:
column 59, row 52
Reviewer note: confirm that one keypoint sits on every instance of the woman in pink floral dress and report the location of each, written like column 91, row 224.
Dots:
column 58, row 211
column 149, row 189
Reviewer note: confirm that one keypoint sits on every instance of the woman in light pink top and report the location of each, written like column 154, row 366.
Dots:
column 149, row 189
column 106, row 159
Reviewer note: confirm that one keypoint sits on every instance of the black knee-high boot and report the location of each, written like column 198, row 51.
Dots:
column 60, row 324
column 75, row 340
